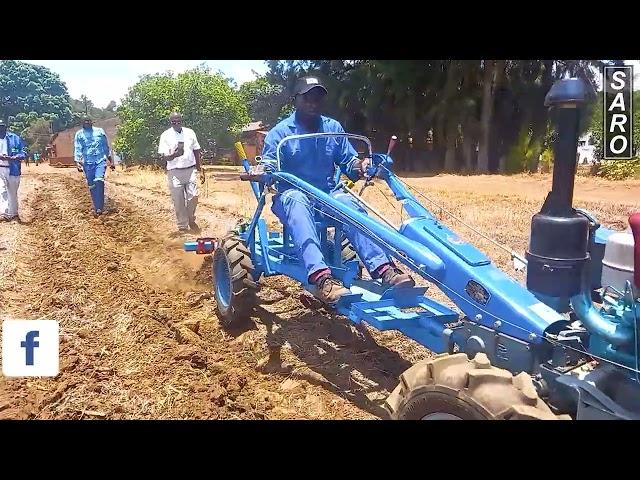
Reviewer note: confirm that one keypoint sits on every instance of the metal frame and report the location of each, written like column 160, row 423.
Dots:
column 496, row 309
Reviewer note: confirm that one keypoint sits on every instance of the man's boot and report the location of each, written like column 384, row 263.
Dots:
column 330, row 289
column 393, row 277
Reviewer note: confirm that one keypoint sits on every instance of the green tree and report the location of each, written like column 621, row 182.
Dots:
column 85, row 106
column 596, row 127
column 263, row 100
column 614, row 169
column 494, row 106
column 37, row 135
column 29, row 92
column 208, row 102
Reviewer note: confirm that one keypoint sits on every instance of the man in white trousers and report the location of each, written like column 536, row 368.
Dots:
column 12, row 153
column 180, row 149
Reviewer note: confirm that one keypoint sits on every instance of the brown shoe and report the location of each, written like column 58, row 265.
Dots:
column 330, row 290
column 394, row 278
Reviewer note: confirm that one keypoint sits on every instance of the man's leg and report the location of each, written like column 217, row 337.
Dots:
column 191, row 194
column 98, row 186
column 378, row 263
column 13, row 186
column 294, row 209
column 4, row 194
column 89, row 173
column 176, row 188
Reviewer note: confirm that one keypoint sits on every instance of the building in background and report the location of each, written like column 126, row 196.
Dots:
column 59, row 152
column 586, row 150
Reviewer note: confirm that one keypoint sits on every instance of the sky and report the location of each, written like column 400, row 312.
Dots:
column 105, row 80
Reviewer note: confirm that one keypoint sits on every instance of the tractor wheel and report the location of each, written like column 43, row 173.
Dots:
column 452, row 387
column 234, row 281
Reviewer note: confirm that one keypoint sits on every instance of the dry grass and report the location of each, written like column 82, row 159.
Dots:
column 501, row 206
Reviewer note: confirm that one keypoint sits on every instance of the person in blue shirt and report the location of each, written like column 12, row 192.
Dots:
column 91, row 154
column 12, row 152
column 314, row 161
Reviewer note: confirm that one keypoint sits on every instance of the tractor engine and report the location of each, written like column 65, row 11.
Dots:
column 572, row 260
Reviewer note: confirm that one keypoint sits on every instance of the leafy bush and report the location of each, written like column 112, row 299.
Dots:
column 619, row 169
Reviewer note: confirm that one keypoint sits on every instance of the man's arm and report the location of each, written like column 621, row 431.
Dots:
column 164, row 149
column 106, row 149
column 347, row 157
column 21, row 154
column 269, row 150
column 77, row 148
column 196, row 151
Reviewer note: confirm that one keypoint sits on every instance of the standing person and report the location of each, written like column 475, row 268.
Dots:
column 314, row 161
column 11, row 155
column 180, row 149
column 91, row 157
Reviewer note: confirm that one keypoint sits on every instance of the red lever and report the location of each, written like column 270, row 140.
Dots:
column 634, row 221
column 206, row 245
column 392, row 143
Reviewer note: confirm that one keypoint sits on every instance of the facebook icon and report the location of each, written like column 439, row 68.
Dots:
column 21, row 338
column 29, row 344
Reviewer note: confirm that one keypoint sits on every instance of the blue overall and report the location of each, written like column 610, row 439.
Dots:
column 10, row 171
column 314, row 161
column 91, row 145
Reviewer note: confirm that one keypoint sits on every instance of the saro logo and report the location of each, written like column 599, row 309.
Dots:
column 618, row 113
column 30, row 348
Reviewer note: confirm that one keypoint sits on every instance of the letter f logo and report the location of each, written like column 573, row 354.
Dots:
column 30, row 344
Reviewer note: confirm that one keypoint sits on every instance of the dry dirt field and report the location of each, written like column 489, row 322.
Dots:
column 139, row 336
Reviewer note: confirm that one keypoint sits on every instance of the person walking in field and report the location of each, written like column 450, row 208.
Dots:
column 92, row 156
column 181, row 151
column 12, row 152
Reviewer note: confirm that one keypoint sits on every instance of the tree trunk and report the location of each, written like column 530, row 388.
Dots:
column 450, row 155
column 498, row 79
column 467, row 152
column 502, row 168
column 485, row 120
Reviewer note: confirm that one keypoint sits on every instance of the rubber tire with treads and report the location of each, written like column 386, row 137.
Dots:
column 243, row 284
column 467, row 389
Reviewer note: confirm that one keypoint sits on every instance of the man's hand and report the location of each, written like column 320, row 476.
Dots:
column 178, row 152
column 203, row 178
column 79, row 166
column 361, row 166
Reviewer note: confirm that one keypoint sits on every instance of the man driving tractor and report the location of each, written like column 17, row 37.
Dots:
column 314, row 161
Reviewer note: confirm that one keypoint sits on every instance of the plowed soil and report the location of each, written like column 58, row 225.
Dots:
column 139, row 334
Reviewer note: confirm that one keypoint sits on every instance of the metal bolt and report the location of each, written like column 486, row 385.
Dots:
column 532, row 336
column 497, row 324
column 478, row 317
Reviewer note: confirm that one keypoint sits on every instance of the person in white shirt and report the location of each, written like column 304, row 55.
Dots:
column 180, row 149
column 12, row 152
